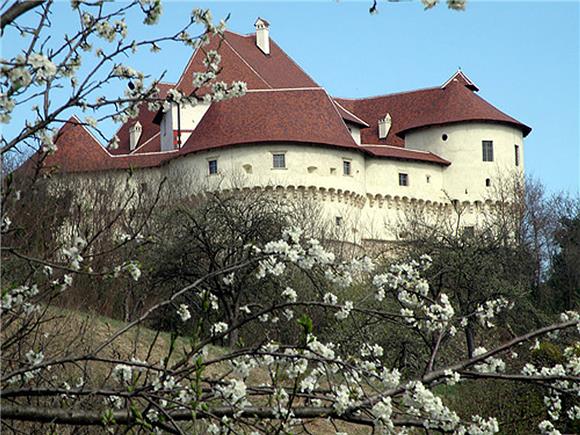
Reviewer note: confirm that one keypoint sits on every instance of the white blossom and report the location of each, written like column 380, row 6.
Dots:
column 34, row 358
column 132, row 267
column 43, row 67
column 228, row 279
column 73, row 253
column 234, row 392
column 219, row 328
column 490, row 365
column 452, row 377
column 289, row 294
column 91, row 121
column 183, row 313
column 547, row 428
column 344, row 311
column 123, row 373
column 330, row 298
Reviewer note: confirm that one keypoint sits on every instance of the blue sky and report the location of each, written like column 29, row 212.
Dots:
column 524, row 56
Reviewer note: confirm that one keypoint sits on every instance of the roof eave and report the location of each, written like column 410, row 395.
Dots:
column 524, row 128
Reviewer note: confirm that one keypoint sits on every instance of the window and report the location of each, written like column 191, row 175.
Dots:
column 403, row 179
column 279, row 160
column 332, row 171
column 212, row 167
column 248, row 168
column 444, row 137
column 346, row 167
column 403, row 235
column 517, row 154
column 338, row 221
column 487, row 182
column 469, row 231
column 487, row 146
column 428, row 178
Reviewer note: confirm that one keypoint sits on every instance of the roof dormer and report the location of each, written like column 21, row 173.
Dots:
column 384, row 126
column 134, row 135
column 262, row 35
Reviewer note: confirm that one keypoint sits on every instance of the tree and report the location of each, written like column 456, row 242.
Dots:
column 565, row 275
column 46, row 79
column 481, row 267
column 458, row 5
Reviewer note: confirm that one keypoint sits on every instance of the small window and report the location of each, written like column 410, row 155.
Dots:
column 469, row 231
column 338, row 221
column 487, row 147
column 248, row 168
column 212, row 167
column 403, row 235
column 487, row 182
column 444, row 137
column 517, row 154
column 403, row 179
column 346, row 167
column 279, row 160
column 332, row 171
column 428, row 178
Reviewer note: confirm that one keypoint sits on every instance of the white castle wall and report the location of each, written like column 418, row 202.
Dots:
column 370, row 201
column 465, row 179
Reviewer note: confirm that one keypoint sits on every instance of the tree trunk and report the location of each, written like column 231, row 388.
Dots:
column 469, row 339
column 234, row 335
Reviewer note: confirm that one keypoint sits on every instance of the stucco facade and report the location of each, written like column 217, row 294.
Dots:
column 366, row 161
column 370, row 200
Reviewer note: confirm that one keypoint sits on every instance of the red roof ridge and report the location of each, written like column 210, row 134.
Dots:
column 248, row 35
column 408, row 154
column 318, row 88
column 432, row 88
column 189, row 62
column 350, row 113
column 238, row 33
column 247, row 63
column 142, row 145
column 150, row 153
column 294, row 62
column 397, row 147
column 81, row 124
column 333, row 104
column 469, row 83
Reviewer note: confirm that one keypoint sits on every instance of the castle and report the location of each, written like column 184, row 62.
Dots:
column 364, row 159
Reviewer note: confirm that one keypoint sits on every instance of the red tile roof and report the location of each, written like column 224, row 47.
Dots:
column 460, row 77
column 394, row 152
column 349, row 116
column 79, row 151
column 242, row 60
column 283, row 104
column 304, row 116
column 455, row 102
column 276, row 68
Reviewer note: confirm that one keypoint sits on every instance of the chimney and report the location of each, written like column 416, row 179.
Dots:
column 384, row 126
column 134, row 135
column 262, row 35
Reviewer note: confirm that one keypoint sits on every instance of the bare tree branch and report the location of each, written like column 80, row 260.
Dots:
column 17, row 9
